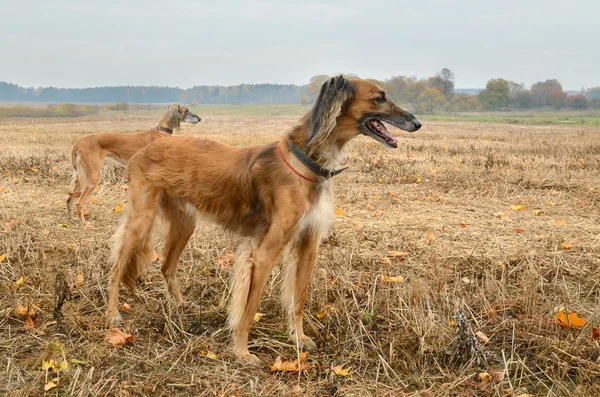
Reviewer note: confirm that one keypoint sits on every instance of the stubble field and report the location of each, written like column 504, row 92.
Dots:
column 496, row 227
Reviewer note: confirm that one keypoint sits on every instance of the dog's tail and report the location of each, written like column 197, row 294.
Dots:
column 240, row 286
column 137, row 261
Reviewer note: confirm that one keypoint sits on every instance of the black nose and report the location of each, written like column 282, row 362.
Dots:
column 417, row 123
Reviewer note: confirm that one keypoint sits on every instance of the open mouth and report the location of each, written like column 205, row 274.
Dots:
column 379, row 132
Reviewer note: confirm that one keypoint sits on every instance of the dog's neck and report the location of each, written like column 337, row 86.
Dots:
column 168, row 124
column 326, row 155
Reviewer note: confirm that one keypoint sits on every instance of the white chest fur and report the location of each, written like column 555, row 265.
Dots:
column 320, row 216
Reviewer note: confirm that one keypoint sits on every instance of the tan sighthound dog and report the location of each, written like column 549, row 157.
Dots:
column 89, row 152
column 278, row 196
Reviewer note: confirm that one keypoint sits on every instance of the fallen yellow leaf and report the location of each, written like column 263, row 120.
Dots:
column 21, row 310
column 20, row 281
column 419, row 180
column 125, row 307
column 537, row 212
column 48, row 365
column 518, row 207
column 2, row 258
column 71, row 247
column 559, row 222
column 49, row 385
column 340, row 370
column 397, row 279
column 258, row 316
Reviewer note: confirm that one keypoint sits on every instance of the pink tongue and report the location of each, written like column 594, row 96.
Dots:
column 381, row 128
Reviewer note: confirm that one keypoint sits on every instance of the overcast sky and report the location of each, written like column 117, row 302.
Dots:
column 185, row 43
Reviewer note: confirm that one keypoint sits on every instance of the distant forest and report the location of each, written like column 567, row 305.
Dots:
column 239, row 94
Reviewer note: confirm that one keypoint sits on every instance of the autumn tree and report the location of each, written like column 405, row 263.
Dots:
column 315, row 83
column 578, row 101
column 542, row 89
column 447, row 77
column 495, row 95
column 557, row 99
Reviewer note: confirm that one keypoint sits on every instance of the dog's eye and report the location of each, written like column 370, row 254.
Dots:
column 380, row 98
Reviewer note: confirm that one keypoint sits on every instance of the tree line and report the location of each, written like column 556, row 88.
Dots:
column 238, row 94
column 423, row 96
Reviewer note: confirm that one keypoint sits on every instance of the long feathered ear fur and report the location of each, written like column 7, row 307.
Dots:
column 175, row 116
column 335, row 95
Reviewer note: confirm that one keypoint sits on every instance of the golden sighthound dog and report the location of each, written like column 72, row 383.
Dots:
column 89, row 151
column 277, row 196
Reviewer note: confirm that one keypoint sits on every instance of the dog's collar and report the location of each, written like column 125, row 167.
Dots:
column 314, row 167
column 163, row 129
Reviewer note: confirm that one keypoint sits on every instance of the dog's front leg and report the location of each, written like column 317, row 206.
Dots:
column 295, row 286
column 251, row 276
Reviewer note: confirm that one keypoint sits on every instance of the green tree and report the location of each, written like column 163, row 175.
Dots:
column 496, row 94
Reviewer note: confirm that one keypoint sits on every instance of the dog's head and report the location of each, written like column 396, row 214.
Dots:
column 348, row 107
column 179, row 113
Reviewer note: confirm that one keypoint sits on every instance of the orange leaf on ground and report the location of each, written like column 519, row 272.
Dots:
column 559, row 222
column 2, row 258
column 29, row 324
column 430, row 236
column 118, row 208
column 517, row 230
column 568, row 318
column 290, row 366
column 484, row 377
column 116, row 337
column 387, row 261
column 566, row 246
column 397, row 254
column 462, row 224
column 339, row 212
column 79, row 280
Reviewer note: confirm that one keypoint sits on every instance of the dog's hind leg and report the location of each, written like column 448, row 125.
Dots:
column 295, row 286
column 180, row 226
column 88, row 174
column 132, row 250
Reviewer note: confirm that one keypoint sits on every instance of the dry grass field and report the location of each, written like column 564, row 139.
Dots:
column 444, row 197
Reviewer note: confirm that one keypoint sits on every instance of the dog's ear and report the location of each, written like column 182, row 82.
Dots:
column 173, row 110
column 336, row 93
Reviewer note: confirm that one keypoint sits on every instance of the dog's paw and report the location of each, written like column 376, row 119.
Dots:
column 249, row 359
column 304, row 342
column 113, row 319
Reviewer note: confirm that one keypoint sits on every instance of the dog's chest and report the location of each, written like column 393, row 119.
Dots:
column 320, row 215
